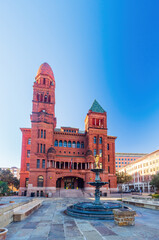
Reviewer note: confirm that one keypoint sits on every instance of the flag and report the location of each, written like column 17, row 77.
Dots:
column 71, row 164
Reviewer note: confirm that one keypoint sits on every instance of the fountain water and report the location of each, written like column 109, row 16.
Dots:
column 96, row 209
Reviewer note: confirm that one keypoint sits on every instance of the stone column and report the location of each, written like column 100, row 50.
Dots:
column 85, row 166
column 88, row 165
column 59, row 164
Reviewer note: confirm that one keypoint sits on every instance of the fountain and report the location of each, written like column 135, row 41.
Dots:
column 94, row 210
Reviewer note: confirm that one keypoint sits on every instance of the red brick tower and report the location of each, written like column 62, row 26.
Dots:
column 43, row 122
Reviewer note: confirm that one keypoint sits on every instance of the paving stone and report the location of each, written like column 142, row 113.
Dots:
column 102, row 229
column 93, row 235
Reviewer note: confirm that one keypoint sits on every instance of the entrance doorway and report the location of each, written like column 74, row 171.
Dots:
column 70, row 183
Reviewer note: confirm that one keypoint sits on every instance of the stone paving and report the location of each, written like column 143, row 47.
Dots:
column 50, row 223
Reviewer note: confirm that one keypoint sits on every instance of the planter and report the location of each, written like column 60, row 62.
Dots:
column 3, row 232
column 11, row 201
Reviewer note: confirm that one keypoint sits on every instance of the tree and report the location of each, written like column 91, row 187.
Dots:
column 3, row 187
column 155, row 181
column 8, row 177
column 123, row 177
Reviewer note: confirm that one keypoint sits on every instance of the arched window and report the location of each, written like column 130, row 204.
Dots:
column 40, row 181
column 60, row 143
column 69, row 143
column 38, row 97
column 29, row 141
column 100, row 140
column 65, row 144
column 56, row 143
column 82, row 144
column 49, row 98
column 45, row 98
column 95, row 139
column 41, row 97
column 74, row 144
column 78, row 144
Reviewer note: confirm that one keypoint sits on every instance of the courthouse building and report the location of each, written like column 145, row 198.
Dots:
column 54, row 158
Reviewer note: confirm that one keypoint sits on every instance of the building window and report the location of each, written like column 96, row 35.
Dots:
column 38, row 97
column 45, row 98
column 94, row 152
column 26, row 182
column 60, row 143
column 74, row 144
column 43, row 163
column 40, row 181
column 78, row 144
column 107, row 146
column 56, row 143
column 28, row 166
column 100, row 152
column 29, row 141
column 38, row 163
column 41, row 148
column 41, row 98
column 108, row 169
column 28, row 153
column 38, row 133
column 49, row 99
column 65, row 143
column 44, row 148
column 100, row 140
column 43, row 80
column 38, row 148
column 108, row 158
column 41, row 133
column 44, row 133
column 82, row 144
column 95, row 139
column 69, row 143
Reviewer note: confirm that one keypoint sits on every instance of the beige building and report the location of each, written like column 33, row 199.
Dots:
column 142, row 170
column 14, row 170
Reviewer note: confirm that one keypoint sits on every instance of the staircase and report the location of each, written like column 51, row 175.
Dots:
column 64, row 193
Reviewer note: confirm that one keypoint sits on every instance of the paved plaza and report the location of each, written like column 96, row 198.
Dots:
column 50, row 223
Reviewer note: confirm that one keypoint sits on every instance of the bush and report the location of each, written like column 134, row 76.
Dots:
column 155, row 195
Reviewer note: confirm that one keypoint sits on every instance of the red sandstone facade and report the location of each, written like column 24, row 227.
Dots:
column 62, row 158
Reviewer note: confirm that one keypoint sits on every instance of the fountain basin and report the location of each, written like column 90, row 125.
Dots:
column 89, row 210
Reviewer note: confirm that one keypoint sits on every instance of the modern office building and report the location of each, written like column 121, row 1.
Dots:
column 122, row 159
column 63, row 157
column 141, row 171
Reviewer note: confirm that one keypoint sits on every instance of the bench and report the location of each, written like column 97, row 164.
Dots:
column 25, row 210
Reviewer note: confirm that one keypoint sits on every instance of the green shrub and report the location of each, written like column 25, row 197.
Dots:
column 155, row 195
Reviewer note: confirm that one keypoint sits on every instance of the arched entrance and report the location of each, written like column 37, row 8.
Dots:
column 70, row 182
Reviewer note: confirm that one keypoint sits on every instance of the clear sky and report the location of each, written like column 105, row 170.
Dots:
column 103, row 50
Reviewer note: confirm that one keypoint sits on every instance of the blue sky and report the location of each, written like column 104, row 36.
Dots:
column 104, row 50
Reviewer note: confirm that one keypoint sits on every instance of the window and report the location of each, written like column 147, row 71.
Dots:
column 38, row 163
column 65, row 144
column 82, row 144
column 41, row 148
column 94, row 152
column 26, row 182
column 29, row 141
column 38, row 148
column 108, row 169
column 41, row 97
column 56, row 143
column 43, row 163
column 78, row 144
column 28, row 166
column 43, row 80
column 100, row 152
column 38, row 97
column 100, row 140
column 44, row 148
column 108, row 158
column 74, row 144
column 44, row 133
column 40, row 181
column 41, row 133
column 69, row 143
column 95, row 139
column 107, row 146
column 28, row 153
column 60, row 143
column 45, row 98
column 38, row 133
column 49, row 98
